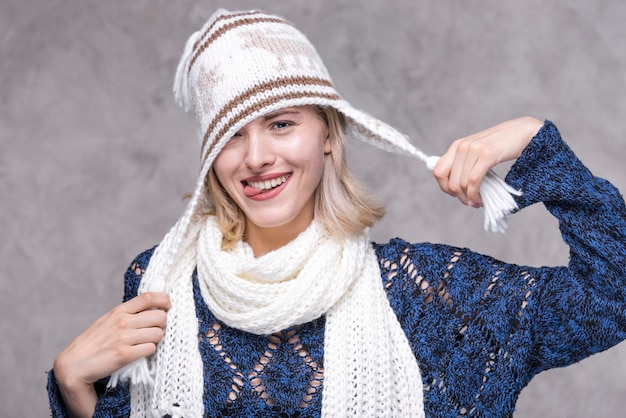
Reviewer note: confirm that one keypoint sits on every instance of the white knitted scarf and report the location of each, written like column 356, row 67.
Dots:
column 369, row 368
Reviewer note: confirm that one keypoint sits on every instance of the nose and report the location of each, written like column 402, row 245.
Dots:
column 259, row 150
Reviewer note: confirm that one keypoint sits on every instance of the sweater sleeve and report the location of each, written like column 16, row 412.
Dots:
column 112, row 402
column 481, row 328
column 580, row 309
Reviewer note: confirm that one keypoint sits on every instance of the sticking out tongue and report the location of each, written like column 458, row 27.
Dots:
column 264, row 186
column 251, row 191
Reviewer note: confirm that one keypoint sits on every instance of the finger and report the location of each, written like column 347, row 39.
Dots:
column 123, row 348
column 142, row 350
column 466, row 168
column 121, row 330
column 441, row 171
column 144, row 319
column 114, row 324
column 126, row 354
column 475, row 177
column 141, row 336
column 457, row 183
column 148, row 300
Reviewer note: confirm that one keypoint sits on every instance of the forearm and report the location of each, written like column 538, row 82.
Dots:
column 590, row 211
column 576, row 310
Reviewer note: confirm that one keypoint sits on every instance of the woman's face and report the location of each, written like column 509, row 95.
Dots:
column 272, row 167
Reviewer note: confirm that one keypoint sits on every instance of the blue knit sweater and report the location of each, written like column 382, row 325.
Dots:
column 480, row 328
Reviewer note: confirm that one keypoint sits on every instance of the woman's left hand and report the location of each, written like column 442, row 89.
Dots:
column 462, row 168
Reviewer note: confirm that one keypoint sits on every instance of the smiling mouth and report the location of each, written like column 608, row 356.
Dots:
column 267, row 185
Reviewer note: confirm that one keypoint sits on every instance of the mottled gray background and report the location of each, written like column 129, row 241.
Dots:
column 95, row 155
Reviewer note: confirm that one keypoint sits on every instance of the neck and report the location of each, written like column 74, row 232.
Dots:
column 264, row 240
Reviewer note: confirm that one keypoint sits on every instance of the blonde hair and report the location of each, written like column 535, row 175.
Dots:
column 342, row 204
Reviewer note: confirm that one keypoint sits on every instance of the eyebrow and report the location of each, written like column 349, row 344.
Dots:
column 280, row 112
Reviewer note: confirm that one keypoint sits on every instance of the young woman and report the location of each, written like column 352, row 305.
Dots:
column 267, row 297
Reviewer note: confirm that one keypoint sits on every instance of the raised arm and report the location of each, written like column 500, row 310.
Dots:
column 482, row 328
column 581, row 309
column 574, row 311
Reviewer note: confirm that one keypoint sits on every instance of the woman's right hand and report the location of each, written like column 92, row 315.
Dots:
column 124, row 334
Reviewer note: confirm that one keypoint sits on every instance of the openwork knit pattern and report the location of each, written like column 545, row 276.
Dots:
column 479, row 328
column 369, row 367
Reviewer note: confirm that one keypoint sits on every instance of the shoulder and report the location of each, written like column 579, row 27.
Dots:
column 134, row 273
column 424, row 267
column 141, row 261
column 402, row 263
column 399, row 250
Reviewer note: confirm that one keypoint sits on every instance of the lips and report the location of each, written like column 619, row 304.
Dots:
column 256, row 186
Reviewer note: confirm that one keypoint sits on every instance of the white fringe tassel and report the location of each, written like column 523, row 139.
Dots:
column 136, row 372
column 181, row 80
column 497, row 198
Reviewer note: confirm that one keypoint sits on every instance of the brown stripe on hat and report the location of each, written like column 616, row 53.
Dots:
column 268, row 85
column 224, row 17
column 261, row 104
column 230, row 26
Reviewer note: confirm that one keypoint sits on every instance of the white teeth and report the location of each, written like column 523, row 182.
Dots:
column 268, row 184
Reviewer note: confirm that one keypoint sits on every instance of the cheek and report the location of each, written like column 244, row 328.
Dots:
column 219, row 175
column 312, row 161
column 312, row 148
column 224, row 174
column 224, row 166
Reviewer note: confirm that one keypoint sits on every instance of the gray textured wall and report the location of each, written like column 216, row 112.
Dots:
column 95, row 156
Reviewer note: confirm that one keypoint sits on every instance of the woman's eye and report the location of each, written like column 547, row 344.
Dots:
column 281, row 125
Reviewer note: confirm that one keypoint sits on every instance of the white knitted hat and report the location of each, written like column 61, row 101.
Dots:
column 241, row 65
column 244, row 64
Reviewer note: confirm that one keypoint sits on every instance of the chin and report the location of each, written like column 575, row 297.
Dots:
column 270, row 223
column 276, row 220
